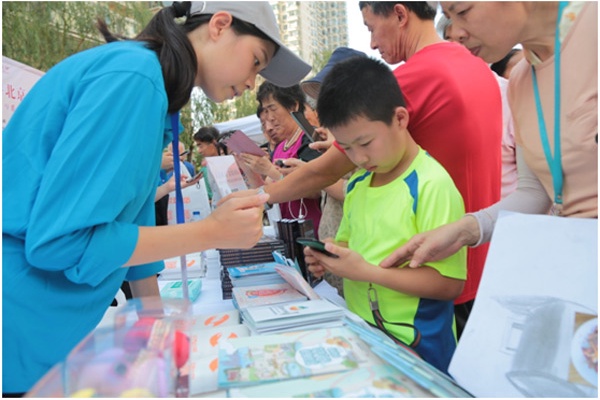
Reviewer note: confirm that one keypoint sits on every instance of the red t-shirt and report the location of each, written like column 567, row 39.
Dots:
column 455, row 112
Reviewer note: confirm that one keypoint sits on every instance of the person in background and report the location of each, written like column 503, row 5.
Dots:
column 183, row 153
column 71, row 239
column 509, row 157
column 277, row 104
column 208, row 145
column 268, row 132
column 504, row 67
column 456, row 116
column 207, row 142
column 552, row 34
column 397, row 191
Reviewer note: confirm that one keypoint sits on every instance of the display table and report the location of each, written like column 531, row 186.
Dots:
column 209, row 301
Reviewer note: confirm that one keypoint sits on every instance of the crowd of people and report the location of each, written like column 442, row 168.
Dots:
column 495, row 108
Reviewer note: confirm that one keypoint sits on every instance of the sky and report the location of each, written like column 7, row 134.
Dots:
column 358, row 35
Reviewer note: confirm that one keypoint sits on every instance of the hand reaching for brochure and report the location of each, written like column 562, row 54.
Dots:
column 349, row 263
column 236, row 223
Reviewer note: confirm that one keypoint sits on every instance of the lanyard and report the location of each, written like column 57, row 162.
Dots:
column 554, row 162
column 179, row 200
column 379, row 320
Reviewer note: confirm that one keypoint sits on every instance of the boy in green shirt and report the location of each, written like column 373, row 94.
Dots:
column 398, row 192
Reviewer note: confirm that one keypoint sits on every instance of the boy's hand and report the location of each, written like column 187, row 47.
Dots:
column 350, row 264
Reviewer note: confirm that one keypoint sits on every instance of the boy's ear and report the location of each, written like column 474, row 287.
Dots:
column 401, row 115
column 218, row 22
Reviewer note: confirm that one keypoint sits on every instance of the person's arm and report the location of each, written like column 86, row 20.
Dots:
column 312, row 177
column 423, row 282
column 337, row 191
column 473, row 229
column 530, row 197
column 146, row 287
column 235, row 224
column 169, row 186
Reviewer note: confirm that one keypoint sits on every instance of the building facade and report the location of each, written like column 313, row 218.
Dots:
column 310, row 28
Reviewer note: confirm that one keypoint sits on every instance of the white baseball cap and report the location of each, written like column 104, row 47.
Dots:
column 286, row 68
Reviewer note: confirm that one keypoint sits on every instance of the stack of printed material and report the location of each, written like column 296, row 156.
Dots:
column 289, row 306
column 254, row 275
column 206, row 333
column 196, row 267
column 407, row 362
column 174, row 289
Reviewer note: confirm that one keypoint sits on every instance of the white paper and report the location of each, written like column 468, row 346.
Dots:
column 540, row 283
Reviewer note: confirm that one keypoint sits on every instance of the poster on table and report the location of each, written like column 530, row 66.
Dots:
column 533, row 331
column 17, row 80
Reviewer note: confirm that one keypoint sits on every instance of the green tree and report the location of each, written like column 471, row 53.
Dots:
column 41, row 34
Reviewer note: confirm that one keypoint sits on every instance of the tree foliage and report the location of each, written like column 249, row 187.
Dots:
column 41, row 34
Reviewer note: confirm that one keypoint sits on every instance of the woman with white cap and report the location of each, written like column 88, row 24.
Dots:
column 70, row 239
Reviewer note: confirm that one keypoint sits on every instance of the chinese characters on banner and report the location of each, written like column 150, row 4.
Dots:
column 17, row 80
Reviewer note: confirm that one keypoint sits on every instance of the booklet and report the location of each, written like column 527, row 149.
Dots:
column 293, row 316
column 252, row 296
column 239, row 142
column 269, row 358
column 364, row 382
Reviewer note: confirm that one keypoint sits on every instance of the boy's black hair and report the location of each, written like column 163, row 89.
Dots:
column 421, row 8
column 288, row 97
column 358, row 87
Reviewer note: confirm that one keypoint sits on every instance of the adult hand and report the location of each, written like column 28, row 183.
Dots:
column 326, row 139
column 238, row 220
column 258, row 164
column 183, row 180
column 291, row 164
column 167, row 161
column 436, row 244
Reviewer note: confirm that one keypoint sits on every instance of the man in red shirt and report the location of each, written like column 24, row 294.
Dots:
column 455, row 113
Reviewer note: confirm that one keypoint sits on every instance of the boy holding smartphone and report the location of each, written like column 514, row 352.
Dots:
column 398, row 192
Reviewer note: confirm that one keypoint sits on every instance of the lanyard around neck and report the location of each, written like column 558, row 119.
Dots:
column 554, row 162
column 179, row 211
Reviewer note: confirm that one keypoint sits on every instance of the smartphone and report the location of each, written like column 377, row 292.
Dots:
column 280, row 164
column 188, row 180
column 304, row 124
column 315, row 244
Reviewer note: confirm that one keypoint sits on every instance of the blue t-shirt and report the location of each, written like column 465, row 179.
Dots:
column 80, row 159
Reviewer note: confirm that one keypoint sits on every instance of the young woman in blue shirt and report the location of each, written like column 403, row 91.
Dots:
column 80, row 159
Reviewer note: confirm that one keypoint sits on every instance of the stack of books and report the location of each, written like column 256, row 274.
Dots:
column 206, row 333
column 282, row 307
column 261, row 253
column 254, row 275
